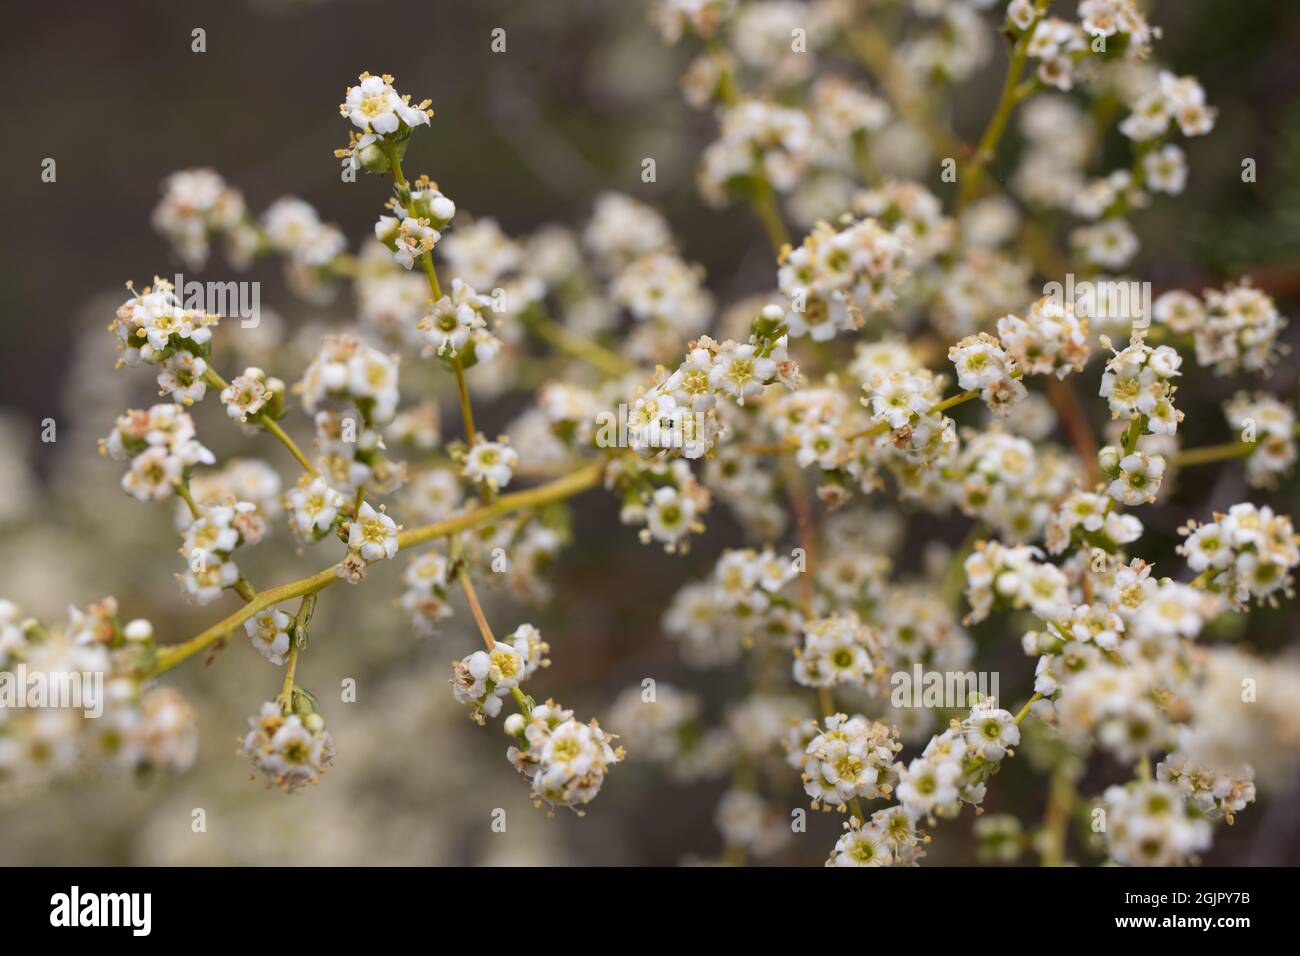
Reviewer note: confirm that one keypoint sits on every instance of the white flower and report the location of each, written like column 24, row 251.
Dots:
column 1139, row 478
column 925, row 787
column 862, row 845
column 373, row 534
column 900, row 396
column 670, row 516
column 447, row 329
column 1181, row 311
column 314, row 506
column 739, row 372
column 1166, row 170
column 491, row 462
column 1110, row 243
column 153, row 475
column 990, row 732
column 246, row 394
column 212, row 577
column 983, row 364
column 413, row 239
column 1021, row 14
column 373, row 106
column 269, row 632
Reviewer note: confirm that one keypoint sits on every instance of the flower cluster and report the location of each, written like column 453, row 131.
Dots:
column 484, row 679
column 1001, row 576
column 760, row 145
column 1138, row 384
column 1050, row 340
column 1151, row 824
column 383, row 116
column 1250, row 552
column 289, row 750
column 955, row 766
column 837, row 277
column 649, row 389
column 456, row 324
column 1269, row 424
column 418, row 223
column 1172, row 99
column 836, row 650
column 565, row 761
column 984, row 366
column 1234, row 329
column 346, row 369
column 197, row 204
column 850, row 758
column 107, row 717
column 209, row 544
column 153, row 328
column 161, row 445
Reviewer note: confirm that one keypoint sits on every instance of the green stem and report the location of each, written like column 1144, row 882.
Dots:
column 476, row 609
column 266, row 422
column 578, row 481
column 764, row 203
column 1024, row 711
column 183, row 489
column 1056, row 821
column 1213, row 453
column 244, row 588
column 1135, row 431
column 290, row 669
column 466, row 410
column 565, row 339
column 282, row 436
column 987, row 149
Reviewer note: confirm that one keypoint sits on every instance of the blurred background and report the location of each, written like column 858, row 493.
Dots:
column 114, row 94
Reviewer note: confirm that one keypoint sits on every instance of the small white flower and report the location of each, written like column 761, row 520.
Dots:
column 373, row 534
column 246, row 394
column 491, row 463
column 1139, row 478
column 314, row 506
column 269, row 632
column 373, row 106
column 1166, row 170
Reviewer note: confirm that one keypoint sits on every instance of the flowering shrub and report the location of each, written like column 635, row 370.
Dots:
column 804, row 411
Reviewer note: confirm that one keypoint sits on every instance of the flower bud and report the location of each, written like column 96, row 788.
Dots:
column 1108, row 461
column 373, row 160
column 138, row 631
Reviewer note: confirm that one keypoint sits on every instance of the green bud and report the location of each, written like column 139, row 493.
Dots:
column 373, row 160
